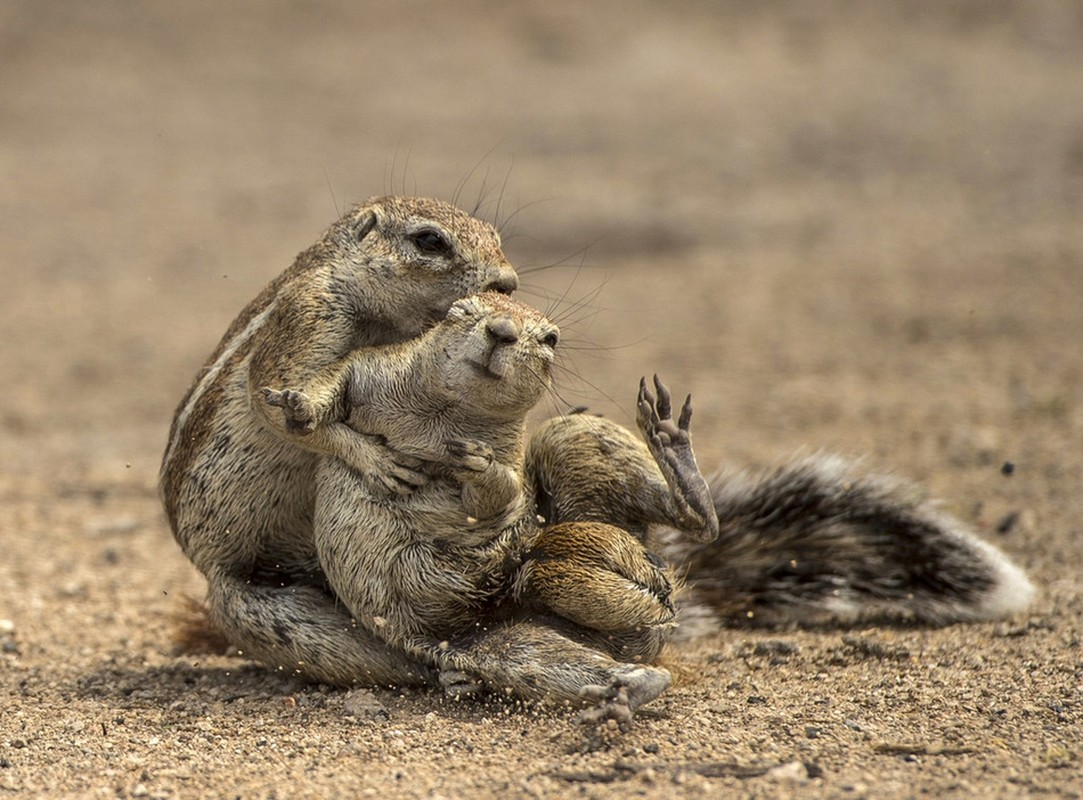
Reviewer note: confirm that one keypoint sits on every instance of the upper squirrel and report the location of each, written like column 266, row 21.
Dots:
column 238, row 483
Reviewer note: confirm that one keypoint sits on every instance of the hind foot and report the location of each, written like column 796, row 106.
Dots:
column 618, row 700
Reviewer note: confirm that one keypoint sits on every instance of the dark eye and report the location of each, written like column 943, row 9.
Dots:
column 551, row 339
column 431, row 242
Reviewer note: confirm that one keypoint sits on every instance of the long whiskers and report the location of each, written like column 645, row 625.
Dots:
column 390, row 179
column 460, row 187
column 331, row 191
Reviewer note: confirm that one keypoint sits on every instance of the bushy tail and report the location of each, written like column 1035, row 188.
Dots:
column 815, row 539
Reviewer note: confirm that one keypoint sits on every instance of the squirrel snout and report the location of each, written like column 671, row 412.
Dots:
column 503, row 281
column 502, row 330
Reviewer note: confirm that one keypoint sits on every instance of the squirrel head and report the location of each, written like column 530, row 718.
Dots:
column 498, row 353
column 405, row 260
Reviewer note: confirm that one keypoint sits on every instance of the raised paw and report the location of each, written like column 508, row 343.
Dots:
column 671, row 445
column 297, row 407
column 655, row 417
column 469, row 456
column 630, row 688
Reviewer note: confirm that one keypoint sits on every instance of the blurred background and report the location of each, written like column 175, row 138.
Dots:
column 825, row 193
column 839, row 224
column 855, row 226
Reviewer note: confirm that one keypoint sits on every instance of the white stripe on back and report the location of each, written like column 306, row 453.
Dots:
column 210, row 375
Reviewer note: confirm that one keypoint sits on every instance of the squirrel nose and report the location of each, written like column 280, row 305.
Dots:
column 502, row 330
column 502, row 280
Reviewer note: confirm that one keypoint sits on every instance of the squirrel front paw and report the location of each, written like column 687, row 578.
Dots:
column 468, row 458
column 298, row 410
column 489, row 489
column 671, row 445
column 386, row 470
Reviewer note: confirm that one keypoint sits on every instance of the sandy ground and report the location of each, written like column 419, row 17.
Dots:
column 849, row 226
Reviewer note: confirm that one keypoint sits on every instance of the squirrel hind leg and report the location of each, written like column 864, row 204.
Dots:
column 815, row 539
column 302, row 630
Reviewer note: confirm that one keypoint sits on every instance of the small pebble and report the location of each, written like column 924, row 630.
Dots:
column 363, row 703
column 790, row 772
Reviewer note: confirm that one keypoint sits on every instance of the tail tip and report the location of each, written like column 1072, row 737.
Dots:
column 1011, row 592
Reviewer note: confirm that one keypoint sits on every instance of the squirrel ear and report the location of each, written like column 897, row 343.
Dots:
column 364, row 224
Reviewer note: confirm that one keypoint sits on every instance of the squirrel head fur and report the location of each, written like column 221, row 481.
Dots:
column 393, row 253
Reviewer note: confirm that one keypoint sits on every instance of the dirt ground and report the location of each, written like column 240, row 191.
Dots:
column 848, row 226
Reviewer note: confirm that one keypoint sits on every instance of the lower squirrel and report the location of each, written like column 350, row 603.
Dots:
column 458, row 569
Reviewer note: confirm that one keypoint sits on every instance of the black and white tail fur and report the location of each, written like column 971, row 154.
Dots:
column 816, row 540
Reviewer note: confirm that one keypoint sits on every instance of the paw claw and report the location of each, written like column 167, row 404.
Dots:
column 686, row 414
column 665, row 403
column 457, row 684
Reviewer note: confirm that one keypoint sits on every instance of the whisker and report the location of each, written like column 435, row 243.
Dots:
column 581, row 253
column 586, row 307
column 590, row 346
column 503, row 224
column 460, row 187
column 500, row 197
column 331, row 190
column 483, row 192
column 600, row 393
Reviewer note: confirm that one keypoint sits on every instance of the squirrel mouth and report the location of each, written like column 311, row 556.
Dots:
column 485, row 370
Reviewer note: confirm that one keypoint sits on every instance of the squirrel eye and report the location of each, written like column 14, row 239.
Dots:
column 431, row 242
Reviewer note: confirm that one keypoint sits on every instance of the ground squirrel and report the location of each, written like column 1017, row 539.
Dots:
column 238, row 483
column 461, row 572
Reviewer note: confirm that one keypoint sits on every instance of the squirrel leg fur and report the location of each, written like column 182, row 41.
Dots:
column 530, row 659
column 584, row 468
column 601, row 579
column 302, row 630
